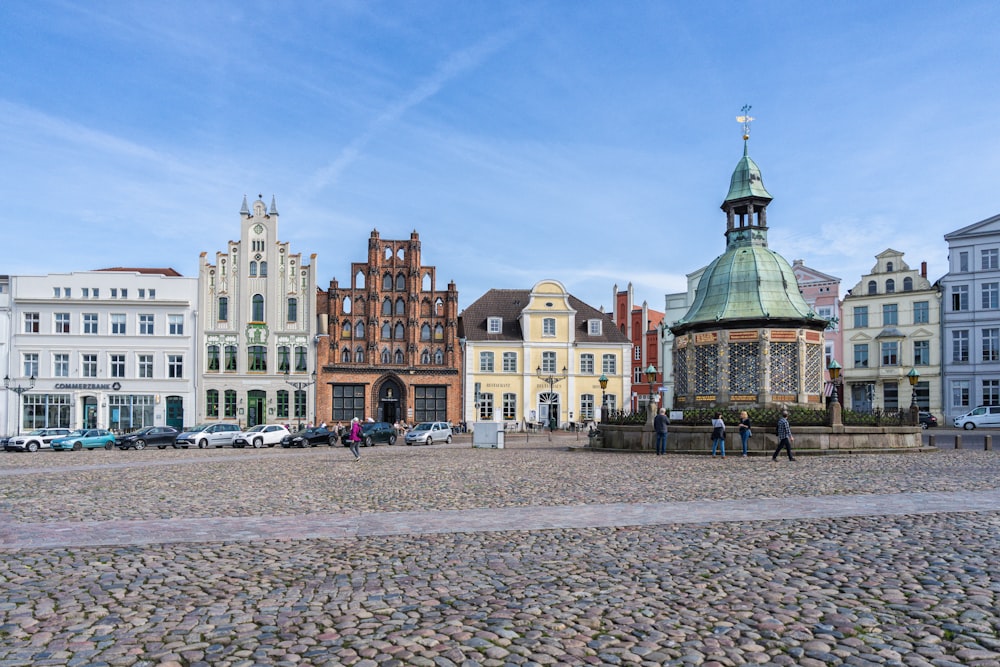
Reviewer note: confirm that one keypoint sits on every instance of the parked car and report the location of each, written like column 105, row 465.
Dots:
column 984, row 415
column 213, row 434
column 260, row 435
column 317, row 435
column 372, row 432
column 87, row 438
column 38, row 439
column 427, row 433
column 161, row 436
column 927, row 420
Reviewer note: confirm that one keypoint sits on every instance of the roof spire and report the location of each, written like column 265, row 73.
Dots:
column 746, row 119
column 245, row 210
column 274, row 207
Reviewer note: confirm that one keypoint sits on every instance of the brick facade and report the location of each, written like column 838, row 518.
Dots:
column 391, row 352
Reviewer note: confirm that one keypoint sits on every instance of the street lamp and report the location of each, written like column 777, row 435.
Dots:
column 834, row 369
column 914, row 376
column 299, row 386
column 551, row 380
column 650, row 374
column 603, row 380
column 18, row 389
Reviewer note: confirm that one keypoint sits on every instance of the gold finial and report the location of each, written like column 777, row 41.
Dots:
column 746, row 118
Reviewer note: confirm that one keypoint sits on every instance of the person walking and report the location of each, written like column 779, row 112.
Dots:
column 354, row 437
column 718, row 435
column 785, row 437
column 660, row 424
column 745, row 432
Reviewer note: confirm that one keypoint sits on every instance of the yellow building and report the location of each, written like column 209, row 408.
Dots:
column 537, row 357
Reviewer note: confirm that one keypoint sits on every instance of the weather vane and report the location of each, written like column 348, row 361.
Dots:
column 746, row 118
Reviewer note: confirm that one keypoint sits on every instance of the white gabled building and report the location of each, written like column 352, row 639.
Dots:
column 257, row 327
column 108, row 349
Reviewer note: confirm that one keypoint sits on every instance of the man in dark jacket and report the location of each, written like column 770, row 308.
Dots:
column 660, row 424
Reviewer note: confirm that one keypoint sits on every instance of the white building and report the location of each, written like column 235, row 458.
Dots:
column 258, row 325
column 108, row 349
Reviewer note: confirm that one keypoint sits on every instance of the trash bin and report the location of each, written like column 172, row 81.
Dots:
column 487, row 435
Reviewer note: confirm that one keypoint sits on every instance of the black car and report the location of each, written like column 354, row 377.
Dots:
column 372, row 432
column 311, row 437
column 161, row 436
column 927, row 420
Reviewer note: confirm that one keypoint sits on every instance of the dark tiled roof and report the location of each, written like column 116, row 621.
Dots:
column 508, row 304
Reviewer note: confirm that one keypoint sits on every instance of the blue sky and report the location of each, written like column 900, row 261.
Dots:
column 590, row 142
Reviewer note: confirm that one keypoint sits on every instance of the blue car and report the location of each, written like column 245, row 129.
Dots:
column 86, row 438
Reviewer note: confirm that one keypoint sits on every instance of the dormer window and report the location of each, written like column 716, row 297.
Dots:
column 494, row 325
column 549, row 327
column 594, row 327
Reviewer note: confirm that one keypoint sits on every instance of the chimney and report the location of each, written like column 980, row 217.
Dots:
column 923, row 269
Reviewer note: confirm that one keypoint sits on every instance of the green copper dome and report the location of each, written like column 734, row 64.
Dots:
column 747, row 181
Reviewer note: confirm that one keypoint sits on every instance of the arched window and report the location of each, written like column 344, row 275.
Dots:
column 425, row 283
column 439, row 306
column 387, row 306
column 213, row 359
column 257, row 312
column 907, row 284
column 359, row 355
column 425, row 357
column 346, row 330
column 399, row 332
column 438, row 332
column 400, row 282
column 345, row 356
column 425, row 331
column 359, row 329
column 359, row 280
column 293, row 309
column 388, row 252
column 284, row 354
column 890, row 286
column 400, row 307
column 399, row 356
column 386, row 357
column 386, row 331
column 425, row 309
column 439, row 357
column 253, row 268
column 223, row 310
column 263, row 268
column 386, row 282
column 346, row 306
column 872, row 287
column 888, row 266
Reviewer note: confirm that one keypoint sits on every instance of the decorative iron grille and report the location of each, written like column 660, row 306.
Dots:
column 744, row 368
column 784, row 368
column 706, row 369
column 814, row 368
column 680, row 372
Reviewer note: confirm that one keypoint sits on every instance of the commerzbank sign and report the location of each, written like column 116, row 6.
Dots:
column 113, row 386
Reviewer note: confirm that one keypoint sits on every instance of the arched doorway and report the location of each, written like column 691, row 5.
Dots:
column 548, row 409
column 390, row 402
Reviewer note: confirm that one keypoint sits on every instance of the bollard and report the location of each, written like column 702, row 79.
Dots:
column 958, row 442
column 987, row 443
column 932, row 441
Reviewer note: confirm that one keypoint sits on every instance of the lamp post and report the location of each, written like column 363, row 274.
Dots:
column 651, row 378
column 603, row 380
column 836, row 418
column 913, row 376
column 299, row 386
column 551, row 380
column 18, row 389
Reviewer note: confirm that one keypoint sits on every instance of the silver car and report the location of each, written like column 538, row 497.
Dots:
column 427, row 433
column 215, row 434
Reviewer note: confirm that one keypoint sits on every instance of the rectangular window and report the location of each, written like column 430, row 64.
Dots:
column 349, row 402
column 430, row 403
column 959, row 297
column 212, row 403
column 31, row 322
column 90, row 323
column 991, row 344
column 494, row 325
column 60, row 365
column 114, row 292
column 991, row 392
column 594, row 327
column 31, row 365
column 636, row 352
column 921, row 312
column 890, row 353
column 609, row 364
column 146, row 325
column 960, row 393
column 282, row 404
column 921, row 352
column 861, row 355
column 485, row 362
column 56, row 291
column 96, row 292
column 963, row 261
column 118, row 324
column 223, row 309
column 300, row 358
column 152, row 294
column 62, row 323
column 230, row 358
column 485, row 407
column 860, row 317
column 124, row 292
column 175, row 366
column 88, row 365
column 145, row 365
column 300, row 404
column 991, row 296
column 549, row 362
column 509, row 407
column 176, row 323
column 229, row 403
column 510, row 362
column 989, row 259
column 549, row 327
column 293, row 310
column 257, row 359
column 960, row 346
column 284, row 359
column 586, row 407
column 611, row 402
column 890, row 314
column 586, row 364
column 213, row 358
column 117, row 365
column 142, row 293
column 890, row 396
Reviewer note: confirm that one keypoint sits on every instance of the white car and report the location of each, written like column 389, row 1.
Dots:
column 427, row 433
column 37, row 439
column 260, row 435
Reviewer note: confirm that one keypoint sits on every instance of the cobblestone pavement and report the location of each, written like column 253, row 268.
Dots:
column 529, row 555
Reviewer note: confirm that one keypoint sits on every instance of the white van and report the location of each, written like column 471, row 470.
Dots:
column 984, row 415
